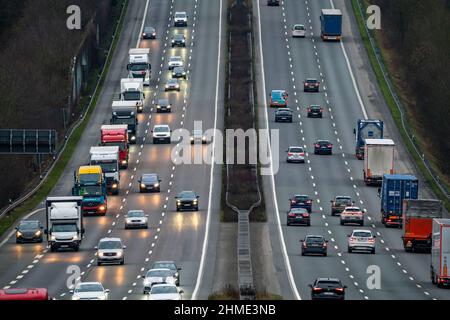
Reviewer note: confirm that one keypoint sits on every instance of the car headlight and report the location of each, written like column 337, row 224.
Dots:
column 178, row 201
column 114, row 185
column 102, row 208
column 124, row 161
column 154, row 34
column 192, row 138
column 142, row 185
column 75, row 238
column 100, row 254
column 184, row 72
column 177, row 85
column 18, row 234
column 176, row 274
column 158, row 107
column 133, row 138
column 75, row 298
column 167, row 85
column 195, row 201
column 52, row 238
column 203, row 138
column 144, row 34
column 156, row 185
column 119, row 254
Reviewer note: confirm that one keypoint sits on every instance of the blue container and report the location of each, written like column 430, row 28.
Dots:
column 396, row 188
column 331, row 22
column 367, row 129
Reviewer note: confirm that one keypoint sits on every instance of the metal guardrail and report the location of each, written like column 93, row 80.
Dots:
column 74, row 126
column 401, row 109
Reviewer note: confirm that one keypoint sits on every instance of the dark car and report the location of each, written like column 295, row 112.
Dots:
column 29, row 231
column 311, row 85
column 171, row 266
column 149, row 182
column 339, row 203
column 314, row 245
column 323, row 147
column 327, row 289
column 315, row 111
column 273, row 2
column 178, row 40
column 283, row 115
column 298, row 216
column 187, row 200
column 163, row 105
column 149, row 33
column 301, row 201
column 178, row 72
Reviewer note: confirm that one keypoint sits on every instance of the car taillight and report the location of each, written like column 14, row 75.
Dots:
column 305, row 215
column 339, row 289
column 371, row 240
column 317, row 145
column 317, row 289
column 325, row 245
column 291, row 214
column 309, row 109
column 309, row 201
column 290, row 154
column 330, row 145
column 304, row 244
column 302, row 154
column 317, row 84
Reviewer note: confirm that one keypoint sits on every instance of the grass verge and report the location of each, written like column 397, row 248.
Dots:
column 393, row 106
column 7, row 221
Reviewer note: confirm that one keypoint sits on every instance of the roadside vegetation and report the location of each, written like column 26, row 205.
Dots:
column 19, row 171
column 415, row 46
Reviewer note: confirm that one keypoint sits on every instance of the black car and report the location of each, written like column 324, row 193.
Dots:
column 301, row 201
column 163, row 105
column 171, row 266
column 283, row 115
column 29, row 231
column 178, row 40
column 315, row 111
column 314, row 245
column 273, row 2
column 298, row 216
column 339, row 203
column 187, row 200
column 178, row 72
column 327, row 289
column 311, row 85
column 149, row 182
column 149, row 33
column 323, row 147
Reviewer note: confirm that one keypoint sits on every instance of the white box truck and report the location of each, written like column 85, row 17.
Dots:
column 133, row 90
column 64, row 222
column 107, row 157
column 440, row 252
column 378, row 160
column 139, row 64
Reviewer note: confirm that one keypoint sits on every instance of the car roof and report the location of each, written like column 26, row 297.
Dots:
column 178, row 12
column 110, row 239
column 163, row 101
column 146, row 175
column 361, row 230
column 295, row 147
column 29, row 221
column 341, row 197
column 354, row 208
column 149, row 27
column 90, row 282
column 164, row 285
column 300, row 195
column 178, row 35
column 164, row 261
column 314, row 236
column 161, row 126
column 328, row 279
column 315, row 106
column 160, row 269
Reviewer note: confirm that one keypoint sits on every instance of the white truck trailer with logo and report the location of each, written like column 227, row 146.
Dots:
column 133, row 90
column 139, row 64
column 378, row 160
column 64, row 222
column 108, row 158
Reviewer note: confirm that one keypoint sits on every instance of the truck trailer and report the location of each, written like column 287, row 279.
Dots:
column 139, row 64
column 394, row 189
column 64, row 222
column 331, row 24
column 440, row 253
column 378, row 160
column 366, row 129
column 107, row 157
column 418, row 218
column 116, row 135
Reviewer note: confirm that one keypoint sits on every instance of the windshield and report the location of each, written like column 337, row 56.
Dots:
column 64, row 228
column 332, row 284
column 139, row 67
column 163, row 289
column 299, row 28
column 90, row 177
column 159, row 273
column 124, row 120
column 362, row 234
column 296, row 150
column 91, row 191
column 110, row 245
column 180, row 15
column 301, row 198
column 163, row 102
column 148, row 30
column 132, row 96
column 162, row 265
column 343, row 200
column 135, row 214
column 187, row 194
column 110, row 166
column 121, row 145
column 311, row 80
column 92, row 287
column 28, row 225
column 161, row 129
column 314, row 240
column 175, row 59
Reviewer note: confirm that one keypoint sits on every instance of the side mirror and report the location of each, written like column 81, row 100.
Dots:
column 96, row 248
column 326, row 241
column 124, row 247
column 16, row 228
column 71, row 291
column 331, row 201
column 374, row 236
column 128, row 67
column 159, row 180
column 144, row 95
column 179, row 269
column 345, row 287
column 349, row 235
column 107, row 290
column 181, row 291
column 46, row 231
column 176, row 197
column 354, row 131
column 301, row 240
column 197, row 197
column 143, row 277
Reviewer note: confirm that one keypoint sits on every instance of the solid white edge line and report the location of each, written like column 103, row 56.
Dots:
column 283, row 244
column 13, row 232
column 143, row 23
column 347, row 61
column 208, row 217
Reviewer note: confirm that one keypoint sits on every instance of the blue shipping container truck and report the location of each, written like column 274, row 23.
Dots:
column 366, row 129
column 331, row 24
column 396, row 188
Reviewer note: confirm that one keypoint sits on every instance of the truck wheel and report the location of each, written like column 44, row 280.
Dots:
column 122, row 262
column 76, row 248
column 373, row 251
column 52, row 249
column 99, row 263
column 350, row 250
column 342, row 223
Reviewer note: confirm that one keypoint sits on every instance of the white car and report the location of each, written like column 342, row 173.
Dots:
column 161, row 133
column 136, row 219
column 175, row 61
column 165, row 292
column 180, row 19
column 157, row 276
column 362, row 240
column 89, row 291
column 352, row 215
column 110, row 250
column 295, row 154
column 299, row 30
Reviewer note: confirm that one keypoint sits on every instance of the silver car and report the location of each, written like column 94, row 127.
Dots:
column 172, row 84
column 361, row 240
column 110, row 250
column 165, row 292
column 136, row 219
column 299, row 30
column 157, row 276
column 295, row 154
column 175, row 61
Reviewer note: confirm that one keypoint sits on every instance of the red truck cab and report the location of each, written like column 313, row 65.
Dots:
column 117, row 135
column 24, row 294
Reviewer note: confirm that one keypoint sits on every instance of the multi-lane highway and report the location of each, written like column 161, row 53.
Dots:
column 284, row 63
column 177, row 236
